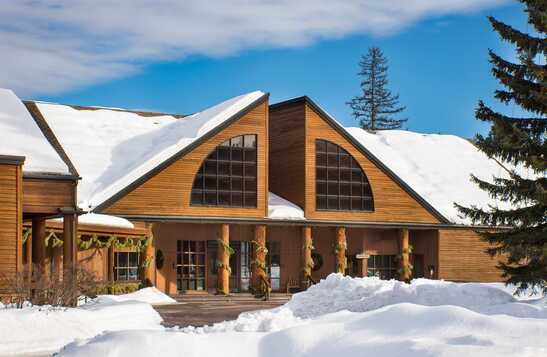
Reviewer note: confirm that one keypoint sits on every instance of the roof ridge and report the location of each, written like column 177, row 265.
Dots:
column 143, row 113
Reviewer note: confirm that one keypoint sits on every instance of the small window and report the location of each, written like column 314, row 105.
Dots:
column 341, row 184
column 228, row 176
column 382, row 266
column 126, row 266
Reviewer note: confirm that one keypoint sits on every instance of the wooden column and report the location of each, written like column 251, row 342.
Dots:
column 307, row 261
column 39, row 251
column 28, row 248
column 70, row 223
column 405, row 268
column 340, row 250
column 110, row 263
column 149, row 254
column 223, row 273
column 259, row 274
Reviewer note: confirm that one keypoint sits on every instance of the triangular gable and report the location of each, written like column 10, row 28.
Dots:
column 115, row 151
column 412, row 194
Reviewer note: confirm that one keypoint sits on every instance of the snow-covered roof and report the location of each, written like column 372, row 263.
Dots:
column 102, row 220
column 280, row 208
column 111, row 149
column 437, row 167
column 21, row 136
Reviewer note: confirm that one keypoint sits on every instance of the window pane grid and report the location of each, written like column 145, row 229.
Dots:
column 126, row 265
column 228, row 175
column 341, row 184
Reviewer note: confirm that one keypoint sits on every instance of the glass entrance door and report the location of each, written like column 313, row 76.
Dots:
column 191, row 270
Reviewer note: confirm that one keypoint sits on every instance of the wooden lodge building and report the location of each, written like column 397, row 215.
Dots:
column 241, row 194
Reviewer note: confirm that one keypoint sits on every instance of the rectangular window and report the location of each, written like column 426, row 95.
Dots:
column 382, row 266
column 126, row 265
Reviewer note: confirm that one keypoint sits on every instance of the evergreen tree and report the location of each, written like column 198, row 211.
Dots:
column 522, row 237
column 376, row 106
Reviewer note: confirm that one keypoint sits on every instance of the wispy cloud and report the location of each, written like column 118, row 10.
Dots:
column 52, row 46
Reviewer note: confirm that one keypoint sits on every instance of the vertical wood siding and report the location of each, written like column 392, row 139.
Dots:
column 10, row 218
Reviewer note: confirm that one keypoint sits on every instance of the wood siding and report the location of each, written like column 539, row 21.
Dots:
column 47, row 196
column 287, row 163
column 10, row 218
column 462, row 257
column 391, row 202
column 168, row 192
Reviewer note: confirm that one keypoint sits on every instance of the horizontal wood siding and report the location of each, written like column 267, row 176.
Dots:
column 287, row 144
column 462, row 257
column 47, row 196
column 168, row 192
column 10, row 218
column 391, row 202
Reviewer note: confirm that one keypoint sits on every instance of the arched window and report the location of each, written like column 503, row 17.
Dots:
column 341, row 184
column 227, row 177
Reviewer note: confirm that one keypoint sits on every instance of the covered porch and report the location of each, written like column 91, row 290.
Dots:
column 235, row 257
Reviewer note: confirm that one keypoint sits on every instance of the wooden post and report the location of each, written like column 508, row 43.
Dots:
column 259, row 267
column 223, row 273
column 405, row 269
column 70, row 223
column 111, row 263
column 307, row 261
column 340, row 250
column 149, row 254
column 39, row 256
column 28, row 248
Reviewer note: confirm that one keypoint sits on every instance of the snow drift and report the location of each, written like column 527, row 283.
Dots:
column 356, row 317
column 44, row 329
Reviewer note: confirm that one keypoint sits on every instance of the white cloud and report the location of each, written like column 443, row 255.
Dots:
column 52, row 46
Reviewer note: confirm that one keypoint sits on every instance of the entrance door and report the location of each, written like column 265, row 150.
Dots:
column 191, row 269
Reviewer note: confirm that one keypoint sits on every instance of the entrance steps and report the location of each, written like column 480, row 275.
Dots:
column 278, row 298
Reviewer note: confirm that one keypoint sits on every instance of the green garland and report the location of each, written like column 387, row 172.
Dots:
column 118, row 242
column 340, row 247
column 221, row 265
column 26, row 233
column 226, row 247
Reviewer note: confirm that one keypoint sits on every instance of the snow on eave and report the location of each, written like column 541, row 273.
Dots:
column 22, row 136
column 282, row 209
column 162, row 159
column 103, row 220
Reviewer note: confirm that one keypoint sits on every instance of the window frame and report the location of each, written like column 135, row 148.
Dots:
column 231, row 173
column 127, row 267
column 332, row 162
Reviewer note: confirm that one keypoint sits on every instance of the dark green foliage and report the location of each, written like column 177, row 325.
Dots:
column 376, row 106
column 520, row 141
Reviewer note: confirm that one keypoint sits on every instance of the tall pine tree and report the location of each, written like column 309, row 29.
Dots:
column 519, row 141
column 376, row 106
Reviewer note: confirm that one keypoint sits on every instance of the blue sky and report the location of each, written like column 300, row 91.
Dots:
column 438, row 65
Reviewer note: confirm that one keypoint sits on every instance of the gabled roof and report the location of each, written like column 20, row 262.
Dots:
column 115, row 150
column 20, row 135
column 434, row 169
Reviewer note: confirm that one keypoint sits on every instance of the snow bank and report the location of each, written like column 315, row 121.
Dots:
column 113, row 148
column 437, row 167
column 149, row 295
column 280, row 208
column 46, row 329
column 22, row 137
column 102, row 220
column 397, row 330
column 41, row 329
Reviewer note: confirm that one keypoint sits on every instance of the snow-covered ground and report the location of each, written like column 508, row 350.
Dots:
column 340, row 315
column 44, row 329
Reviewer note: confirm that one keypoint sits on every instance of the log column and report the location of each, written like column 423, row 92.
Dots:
column 340, row 250
column 307, row 261
column 149, row 254
column 259, row 274
column 405, row 268
column 39, row 251
column 223, row 273
column 70, row 223
column 110, row 263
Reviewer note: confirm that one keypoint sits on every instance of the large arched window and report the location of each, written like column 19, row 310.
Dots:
column 227, row 177
column 341, row 184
